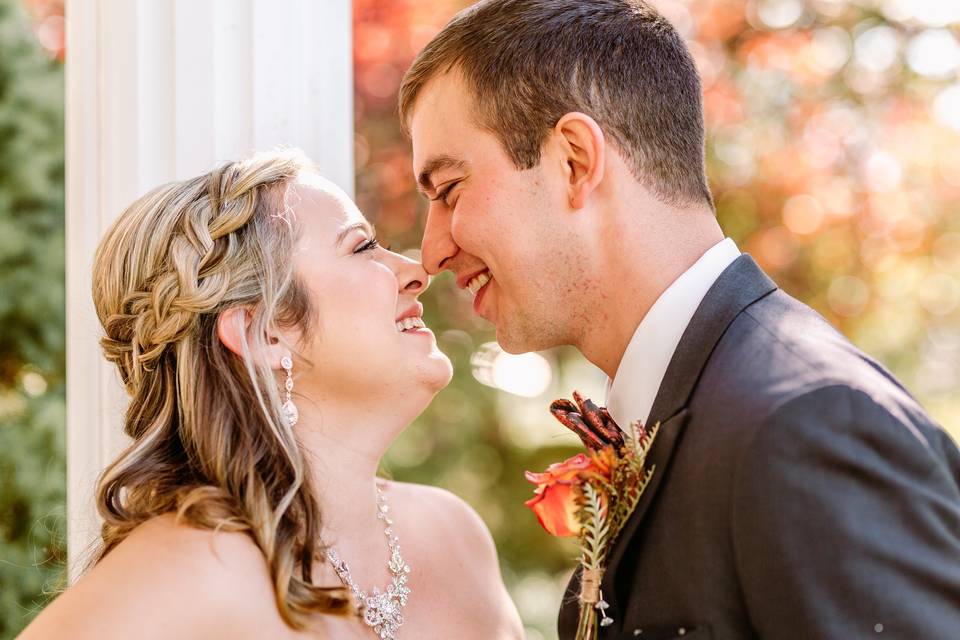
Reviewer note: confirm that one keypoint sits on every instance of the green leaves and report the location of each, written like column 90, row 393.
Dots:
column 32, row 331
column 596, row 528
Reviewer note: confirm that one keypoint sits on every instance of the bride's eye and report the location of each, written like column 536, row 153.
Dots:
column 369, row 245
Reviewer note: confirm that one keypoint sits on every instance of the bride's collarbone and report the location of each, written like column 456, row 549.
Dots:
column 444, row 573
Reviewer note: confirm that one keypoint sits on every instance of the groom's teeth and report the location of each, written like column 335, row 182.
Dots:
column 477, row 283
column 410, row 323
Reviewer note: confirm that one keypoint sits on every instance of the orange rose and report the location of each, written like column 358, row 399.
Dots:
column 556, row 495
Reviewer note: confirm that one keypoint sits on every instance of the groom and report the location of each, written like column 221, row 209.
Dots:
column 800, row 491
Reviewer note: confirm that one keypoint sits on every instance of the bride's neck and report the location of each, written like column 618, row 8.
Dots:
column 343, row 444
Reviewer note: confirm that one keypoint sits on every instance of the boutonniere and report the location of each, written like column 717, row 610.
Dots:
column 591, row 495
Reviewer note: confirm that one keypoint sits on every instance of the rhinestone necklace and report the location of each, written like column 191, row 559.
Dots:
column 382, row 611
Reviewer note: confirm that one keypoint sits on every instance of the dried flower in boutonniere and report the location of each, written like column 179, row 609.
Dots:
column 591, row 495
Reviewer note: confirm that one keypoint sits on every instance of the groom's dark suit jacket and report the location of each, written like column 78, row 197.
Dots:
column 799, row 491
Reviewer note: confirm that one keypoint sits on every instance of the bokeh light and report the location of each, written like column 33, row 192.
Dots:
column 934, row 53
column 833, row 151
column 527, row 375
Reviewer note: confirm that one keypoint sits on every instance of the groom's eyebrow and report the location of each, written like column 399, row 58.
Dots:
column 425, row 179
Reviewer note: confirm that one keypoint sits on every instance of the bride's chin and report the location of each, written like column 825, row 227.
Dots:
column 417, row 379
column 436, row 373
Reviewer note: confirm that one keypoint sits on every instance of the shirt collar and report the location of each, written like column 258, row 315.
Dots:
column 631, row 393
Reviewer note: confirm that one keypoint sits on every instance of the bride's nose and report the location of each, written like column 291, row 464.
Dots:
column 412, row 277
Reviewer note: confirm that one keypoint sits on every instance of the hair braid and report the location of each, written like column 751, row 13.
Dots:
column 175, row 260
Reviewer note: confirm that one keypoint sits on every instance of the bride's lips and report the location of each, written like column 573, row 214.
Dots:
column 415, row 311
column 419, row 331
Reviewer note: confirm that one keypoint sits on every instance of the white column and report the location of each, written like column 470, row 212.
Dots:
column 159, row 90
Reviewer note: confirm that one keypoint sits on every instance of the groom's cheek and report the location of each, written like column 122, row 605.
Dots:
column 465, row 234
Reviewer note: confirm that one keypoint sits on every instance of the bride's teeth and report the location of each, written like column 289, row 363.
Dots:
column 477, row 283
column 410, row 323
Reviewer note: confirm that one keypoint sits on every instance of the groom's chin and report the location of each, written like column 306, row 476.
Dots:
column 521, row 342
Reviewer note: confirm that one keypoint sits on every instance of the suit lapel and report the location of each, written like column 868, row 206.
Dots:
column 739, row 286
column 667, row 438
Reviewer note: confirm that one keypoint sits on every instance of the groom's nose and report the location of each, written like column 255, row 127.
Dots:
column 438, row 246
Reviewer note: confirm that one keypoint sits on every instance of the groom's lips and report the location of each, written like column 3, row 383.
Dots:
column 479, row 297
column 465, row 278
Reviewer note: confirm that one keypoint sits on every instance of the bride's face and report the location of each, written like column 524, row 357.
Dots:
column 359, row 292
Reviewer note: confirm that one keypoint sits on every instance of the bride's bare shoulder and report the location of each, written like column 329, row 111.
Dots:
column 453, row 540
column 440, row 502
column 164, row 535
column 448, row 520
column 168, row 580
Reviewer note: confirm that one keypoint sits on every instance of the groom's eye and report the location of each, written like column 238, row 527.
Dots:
column 442, row 195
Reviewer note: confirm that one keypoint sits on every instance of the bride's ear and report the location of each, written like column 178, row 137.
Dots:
column 584, row 153
column 233, row 328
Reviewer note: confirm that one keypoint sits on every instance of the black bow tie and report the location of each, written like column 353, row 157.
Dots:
column 591, row 423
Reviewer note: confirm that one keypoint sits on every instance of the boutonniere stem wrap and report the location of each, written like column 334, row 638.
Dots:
column 592, row 495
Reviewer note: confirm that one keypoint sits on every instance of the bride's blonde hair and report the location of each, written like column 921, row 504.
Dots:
column 210, row 442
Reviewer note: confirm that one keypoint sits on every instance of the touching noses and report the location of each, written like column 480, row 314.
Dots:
column 411, row 277
column 438, row 246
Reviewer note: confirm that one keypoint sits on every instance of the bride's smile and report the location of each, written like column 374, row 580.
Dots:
column 272, row 350
column 361, row 292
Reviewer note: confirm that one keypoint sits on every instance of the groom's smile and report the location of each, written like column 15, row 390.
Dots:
column 477, row 285
column 478, row 298
column 476, row 282
column 502, row 229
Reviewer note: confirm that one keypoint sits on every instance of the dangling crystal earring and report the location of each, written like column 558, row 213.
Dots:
column 289, row 409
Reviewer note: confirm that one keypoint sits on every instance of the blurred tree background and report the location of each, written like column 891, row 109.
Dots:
column 32, row 306
column 834, row 154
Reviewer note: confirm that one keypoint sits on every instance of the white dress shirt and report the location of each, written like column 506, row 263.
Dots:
column 631, row 393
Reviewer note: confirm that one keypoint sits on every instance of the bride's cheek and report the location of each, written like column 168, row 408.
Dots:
column 385, row 281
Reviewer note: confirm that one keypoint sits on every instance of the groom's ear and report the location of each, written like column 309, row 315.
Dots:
column 584, row 153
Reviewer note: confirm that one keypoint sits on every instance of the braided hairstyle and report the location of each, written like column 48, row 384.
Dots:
column 210, row 442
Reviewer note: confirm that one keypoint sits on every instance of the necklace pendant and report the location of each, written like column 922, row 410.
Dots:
column 381, row 611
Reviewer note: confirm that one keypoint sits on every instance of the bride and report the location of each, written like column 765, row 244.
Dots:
column 272, row 351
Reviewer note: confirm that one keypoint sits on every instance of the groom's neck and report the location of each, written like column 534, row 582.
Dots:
column 643, row 252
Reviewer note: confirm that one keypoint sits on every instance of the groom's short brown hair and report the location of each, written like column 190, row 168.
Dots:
column 529, row 62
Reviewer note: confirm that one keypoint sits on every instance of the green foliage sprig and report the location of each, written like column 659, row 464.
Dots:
column 32, row 324
column 605, row 503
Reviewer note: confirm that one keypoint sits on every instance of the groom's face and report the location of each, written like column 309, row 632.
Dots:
column 494, row 226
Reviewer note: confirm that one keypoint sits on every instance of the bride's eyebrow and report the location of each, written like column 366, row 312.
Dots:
column 425, row 179
column 362, row 226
